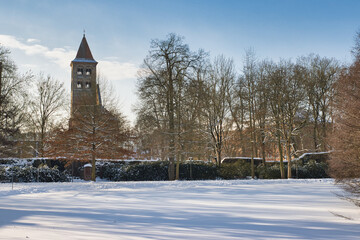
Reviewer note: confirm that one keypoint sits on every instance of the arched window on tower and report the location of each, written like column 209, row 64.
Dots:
column 80, row 71
column 87, row 85
column 88, row 72
column 79, row 84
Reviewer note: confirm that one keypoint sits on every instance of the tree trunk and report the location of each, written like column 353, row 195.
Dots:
column 251, row 134
column 218, row 157
column 315, row 133
column 282, row 173
column 288, row 156
column 93, row 155
column 171, row 130
column 324, row 147
column 93, row 164
column 177, row 177
column 171, row 170
column 252, row 162
column 263, row 147
column 316, row 127
column 42, row 140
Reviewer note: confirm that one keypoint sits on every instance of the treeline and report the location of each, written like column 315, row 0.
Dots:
column 194, row 107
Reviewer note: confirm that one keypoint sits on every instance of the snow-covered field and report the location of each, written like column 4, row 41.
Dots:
column 242, row 209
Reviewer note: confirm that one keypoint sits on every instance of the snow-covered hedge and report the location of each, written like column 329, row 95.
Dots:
column 238, row 170
column 311, row 169
column 155, row 171
column 152, row 171
column 198, row 171
column 45, row 170
column 32, row 174
column 158, row 171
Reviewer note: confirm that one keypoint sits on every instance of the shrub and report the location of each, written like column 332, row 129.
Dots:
column 311, row 169
column 238, row 170
column 31, row 174
column 198, row 171
column 148, row 171
column 269, row 171
column 155, row 171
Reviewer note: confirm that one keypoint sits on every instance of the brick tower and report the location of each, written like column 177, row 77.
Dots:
column 84, row 88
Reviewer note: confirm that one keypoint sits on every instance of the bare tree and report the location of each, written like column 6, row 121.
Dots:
column 238, row 110
column 250, row 79
column 220, row 81
column 292, row 120
column 95, row 133
column 320, row 76
column 262, row 110
column 13, row 95
column 161, row 84
column 46, row 103
column 345, row 138
column 275, row 85
column 98, row 134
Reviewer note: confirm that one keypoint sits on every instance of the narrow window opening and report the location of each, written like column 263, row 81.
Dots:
column 87, row 85
column 80, row 71
column 88, row 71
column 79, row 85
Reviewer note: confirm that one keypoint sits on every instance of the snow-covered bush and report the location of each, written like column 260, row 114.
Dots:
column 155, row 171
column 32, row 174
column 3, row 174
column 198, row 171
column 111, row 171
column 311, row 169
column 269, row 171
column 147, row 171
column 238, row 170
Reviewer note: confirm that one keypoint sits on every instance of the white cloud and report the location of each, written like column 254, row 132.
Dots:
column 60, row 56
column 32, row 40
column 110, row 68
column 115, row 70
column 29, row 66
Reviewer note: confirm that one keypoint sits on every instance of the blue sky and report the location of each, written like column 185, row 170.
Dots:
column 45, row 35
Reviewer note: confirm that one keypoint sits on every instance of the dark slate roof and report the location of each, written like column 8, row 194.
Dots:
column 84, row 53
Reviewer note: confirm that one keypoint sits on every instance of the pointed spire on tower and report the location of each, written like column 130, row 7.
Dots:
column 84, row 52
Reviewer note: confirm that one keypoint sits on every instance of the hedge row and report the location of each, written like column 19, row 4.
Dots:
column 311, row 169
column 155, row 171
column 158, row 171
column 32, row 174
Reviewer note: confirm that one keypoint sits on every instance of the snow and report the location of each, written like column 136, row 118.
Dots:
column 311, row 153
column 239, row 209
